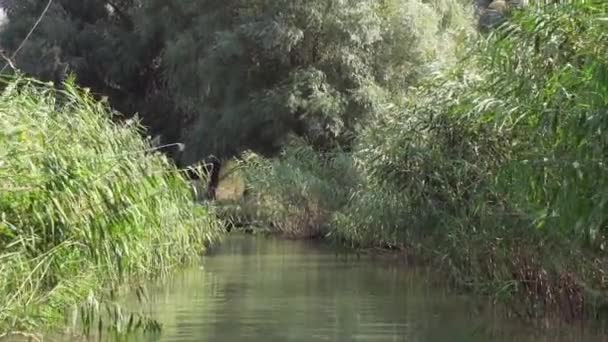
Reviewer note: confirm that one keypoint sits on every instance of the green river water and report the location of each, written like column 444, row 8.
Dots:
column 266, row 290
column 273, row 290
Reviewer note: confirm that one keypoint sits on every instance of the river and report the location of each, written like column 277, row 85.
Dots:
column 265, row 289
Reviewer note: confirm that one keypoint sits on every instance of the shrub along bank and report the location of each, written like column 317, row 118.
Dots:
column 85, row 206
column 494, row 169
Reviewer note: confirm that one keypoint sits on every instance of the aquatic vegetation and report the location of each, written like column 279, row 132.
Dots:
column 85, row 205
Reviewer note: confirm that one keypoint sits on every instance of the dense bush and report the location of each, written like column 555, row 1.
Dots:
column 85, row 206
column 495, row 168
column 297, row 193
column 368, row 63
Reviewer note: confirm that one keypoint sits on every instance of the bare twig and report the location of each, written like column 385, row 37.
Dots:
column 27, row 37
column 8, row 61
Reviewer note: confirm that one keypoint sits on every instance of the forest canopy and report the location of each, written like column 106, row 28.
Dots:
column 228, row 76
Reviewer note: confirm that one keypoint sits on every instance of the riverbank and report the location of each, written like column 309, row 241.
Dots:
column 537, row 275
column 494, row 170
column 87, row 208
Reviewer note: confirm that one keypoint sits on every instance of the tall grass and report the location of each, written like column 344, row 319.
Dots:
column 498, row 167
column 85, row 205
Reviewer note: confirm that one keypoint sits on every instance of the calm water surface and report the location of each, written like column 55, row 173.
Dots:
column 267, row 290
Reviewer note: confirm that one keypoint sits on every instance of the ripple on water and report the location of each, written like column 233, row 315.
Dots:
column 253, row 289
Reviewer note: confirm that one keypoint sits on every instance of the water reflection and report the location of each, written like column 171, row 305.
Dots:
column 256, row 289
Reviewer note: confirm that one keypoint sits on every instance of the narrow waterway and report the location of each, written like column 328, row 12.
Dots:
column 266, row 290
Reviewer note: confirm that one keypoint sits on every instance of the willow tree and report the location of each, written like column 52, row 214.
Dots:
column 99, row 42
column 233, row 75
column 250, row 71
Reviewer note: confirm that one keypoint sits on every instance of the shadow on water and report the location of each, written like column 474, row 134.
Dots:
column 264, row 289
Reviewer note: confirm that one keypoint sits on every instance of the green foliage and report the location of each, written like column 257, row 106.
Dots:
column 85, row 206
column 494, row 164
column 558, row 58
column 298, row 192
column 270, row 67
column 100, row 42
column 494, row 168
column 499, row 167
column 229, row 76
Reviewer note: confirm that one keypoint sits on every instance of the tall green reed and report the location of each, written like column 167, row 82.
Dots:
column 85, row 205
column 497, row 167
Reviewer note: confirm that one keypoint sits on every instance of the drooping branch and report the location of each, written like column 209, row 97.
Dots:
column 124, row 17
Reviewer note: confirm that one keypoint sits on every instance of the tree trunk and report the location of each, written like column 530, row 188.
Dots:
column 214, row 179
